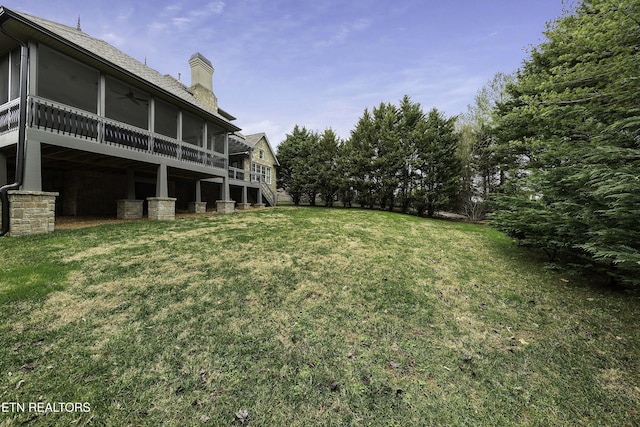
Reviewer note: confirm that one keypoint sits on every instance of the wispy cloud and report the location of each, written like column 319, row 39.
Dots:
column 341, row 33
column 176, row 17
column 210, row 9
column 181, row 23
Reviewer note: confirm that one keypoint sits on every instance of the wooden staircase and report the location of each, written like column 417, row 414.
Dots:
column 267, row 194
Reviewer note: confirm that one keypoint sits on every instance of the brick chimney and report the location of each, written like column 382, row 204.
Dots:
column 202, row 80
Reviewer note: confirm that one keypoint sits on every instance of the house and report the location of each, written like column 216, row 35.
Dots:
column 261, row 166
column 87, row 130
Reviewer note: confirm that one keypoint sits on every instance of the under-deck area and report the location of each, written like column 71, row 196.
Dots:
column 90, row 184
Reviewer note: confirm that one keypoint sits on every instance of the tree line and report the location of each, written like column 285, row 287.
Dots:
column 397, row 157
column 551, row 153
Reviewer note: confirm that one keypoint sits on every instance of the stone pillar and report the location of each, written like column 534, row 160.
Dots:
column 162, row 208
column 31, row 212
column 225, row 206
column 130, row 209
column 244, row 205
column 197, row 207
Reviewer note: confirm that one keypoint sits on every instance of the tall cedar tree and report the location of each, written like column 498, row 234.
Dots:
column 437, row 165
column 362, row 151
column 326, row 160
column 384, row 148
column 572, row 129
column 293, row 154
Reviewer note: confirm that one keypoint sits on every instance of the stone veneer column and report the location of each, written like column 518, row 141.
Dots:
column 225, row 206
column 31, row 212
column 130, row 209
column 162, row 208
column 197, row 207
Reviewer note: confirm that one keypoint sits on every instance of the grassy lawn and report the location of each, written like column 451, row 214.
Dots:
column 302, row 316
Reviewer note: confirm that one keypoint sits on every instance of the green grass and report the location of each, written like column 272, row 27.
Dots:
column 309, row 316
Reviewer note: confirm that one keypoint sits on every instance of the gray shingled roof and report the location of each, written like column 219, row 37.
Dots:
column 119, row 59
column 253, row 139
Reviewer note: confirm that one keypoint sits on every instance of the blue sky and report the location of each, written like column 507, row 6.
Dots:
column 320, row 63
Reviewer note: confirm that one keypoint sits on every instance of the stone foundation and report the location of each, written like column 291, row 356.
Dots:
column 225, row 206
column 162, row 208
column 130, row 209
column 198, row 207
column 259, row 205
column 31, row 212
column 244, row 206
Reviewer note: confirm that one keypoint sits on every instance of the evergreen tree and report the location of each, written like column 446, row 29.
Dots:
column 388, row 159
column 571, row 128
column 293, row 154
column 410, row 121
column 326, row 161
column 437, row 165
column 362, row 153
column 383, row 150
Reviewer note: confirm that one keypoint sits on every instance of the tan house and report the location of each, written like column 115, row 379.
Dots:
column 263, row 163
column 87, row 130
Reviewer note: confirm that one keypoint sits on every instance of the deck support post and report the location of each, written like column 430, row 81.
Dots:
column 32, row 167
column 244, row 205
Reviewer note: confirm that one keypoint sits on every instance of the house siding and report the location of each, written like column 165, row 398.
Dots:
column 269, row 161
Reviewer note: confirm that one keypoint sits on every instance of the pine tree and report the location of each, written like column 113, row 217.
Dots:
column 437, row 165
column 572, row 130
column 293, row 155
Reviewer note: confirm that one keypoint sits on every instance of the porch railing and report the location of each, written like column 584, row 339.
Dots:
column 62, row 119
column 237, row 173
column 268, row 194
column 10, row 116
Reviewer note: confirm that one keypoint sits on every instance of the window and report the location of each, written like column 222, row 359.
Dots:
column 166, row 119
column 10, row 76
column 126, row 104
column 66, row 80
column 215, row 138
column 14, row 77
column 4, row 79
column 261, row 154
column 192, row 127
column 263, row 171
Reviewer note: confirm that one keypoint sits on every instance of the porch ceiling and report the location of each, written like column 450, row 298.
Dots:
column 56, row 157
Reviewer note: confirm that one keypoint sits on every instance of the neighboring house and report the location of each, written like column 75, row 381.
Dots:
column 258, row 162
column 263, row 165
column 103, row 134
